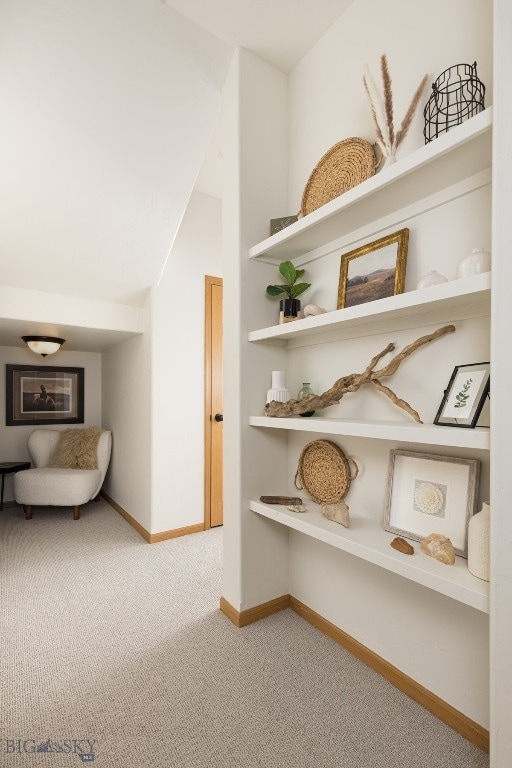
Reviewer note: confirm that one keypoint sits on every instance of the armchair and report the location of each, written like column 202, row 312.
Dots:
column 54, row 485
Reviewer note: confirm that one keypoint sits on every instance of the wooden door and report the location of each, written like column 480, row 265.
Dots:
column 213, row 402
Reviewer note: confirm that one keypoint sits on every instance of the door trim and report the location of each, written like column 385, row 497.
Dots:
column 208, row 282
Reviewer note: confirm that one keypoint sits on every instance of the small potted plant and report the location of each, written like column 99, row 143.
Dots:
column 289, row 309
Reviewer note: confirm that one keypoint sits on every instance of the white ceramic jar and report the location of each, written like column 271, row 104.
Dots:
column 476, row 263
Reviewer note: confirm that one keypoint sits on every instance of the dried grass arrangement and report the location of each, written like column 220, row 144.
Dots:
column 388, row 138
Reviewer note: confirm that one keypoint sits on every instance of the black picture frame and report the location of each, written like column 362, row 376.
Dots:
column 44, row 394
column 466, row 392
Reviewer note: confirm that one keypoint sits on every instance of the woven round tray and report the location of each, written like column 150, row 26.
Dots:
column 324, row 472
column 343, row 166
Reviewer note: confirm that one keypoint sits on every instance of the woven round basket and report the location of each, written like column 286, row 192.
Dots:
column 324, row 472
column 343, row 166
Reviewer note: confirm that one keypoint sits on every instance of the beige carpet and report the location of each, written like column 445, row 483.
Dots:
column 107, row 639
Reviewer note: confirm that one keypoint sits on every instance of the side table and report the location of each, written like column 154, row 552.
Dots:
column 6, row 467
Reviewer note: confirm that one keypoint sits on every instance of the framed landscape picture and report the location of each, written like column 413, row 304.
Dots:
column 374, row 271
column 43, row 395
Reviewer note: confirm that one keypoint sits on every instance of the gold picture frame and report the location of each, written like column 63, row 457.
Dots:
column 374, row 271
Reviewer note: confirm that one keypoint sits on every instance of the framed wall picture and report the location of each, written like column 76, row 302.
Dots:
column 374, row 271
column 464, row 396
column 44, row 395
column 277, row 225
column 428, row 493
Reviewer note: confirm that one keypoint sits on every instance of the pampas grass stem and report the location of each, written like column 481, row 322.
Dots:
column 382, row 109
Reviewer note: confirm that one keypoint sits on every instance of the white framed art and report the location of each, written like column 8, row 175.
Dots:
column 428, row 493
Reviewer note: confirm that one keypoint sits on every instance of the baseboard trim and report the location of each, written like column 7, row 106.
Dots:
column 441, row 709
column 243, row 618
column 151, row 538
column 129, row 519
column 175, row 532
column 456, row 720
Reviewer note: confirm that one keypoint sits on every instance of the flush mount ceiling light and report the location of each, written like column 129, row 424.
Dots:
column 43, row 345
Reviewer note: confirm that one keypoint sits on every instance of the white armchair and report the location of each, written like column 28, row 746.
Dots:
column 55, row 486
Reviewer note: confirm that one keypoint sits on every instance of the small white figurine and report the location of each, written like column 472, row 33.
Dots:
column 313, row 309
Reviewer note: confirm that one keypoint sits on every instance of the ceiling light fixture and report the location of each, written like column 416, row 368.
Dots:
column 43, row 345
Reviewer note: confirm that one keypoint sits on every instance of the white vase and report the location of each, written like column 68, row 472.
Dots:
column 478, row 543
column 278, row 391
column 389, row 160
column 476, row 263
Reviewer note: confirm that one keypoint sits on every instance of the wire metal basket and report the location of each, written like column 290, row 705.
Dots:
column 457, row 95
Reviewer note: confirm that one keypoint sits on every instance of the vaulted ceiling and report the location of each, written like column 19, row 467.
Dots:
column 107, row 111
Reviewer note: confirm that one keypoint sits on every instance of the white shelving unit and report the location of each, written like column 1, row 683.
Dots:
column 447, row 302
column 456, row 163
column 367, row 540
column 455, row 157
column 428, row 434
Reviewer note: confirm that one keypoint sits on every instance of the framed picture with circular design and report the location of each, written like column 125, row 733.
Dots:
column 428, row 493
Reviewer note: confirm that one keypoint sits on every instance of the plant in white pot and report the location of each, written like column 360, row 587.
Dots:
column 289, row 309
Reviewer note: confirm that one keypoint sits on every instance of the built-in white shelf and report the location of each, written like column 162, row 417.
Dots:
column 464, row 151
column 447, row 302
column 367, row 540
column 428, row 434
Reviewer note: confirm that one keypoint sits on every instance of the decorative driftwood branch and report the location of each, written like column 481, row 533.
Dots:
column 353, row 381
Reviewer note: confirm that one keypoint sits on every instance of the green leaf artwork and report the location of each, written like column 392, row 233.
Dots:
column 463, row 396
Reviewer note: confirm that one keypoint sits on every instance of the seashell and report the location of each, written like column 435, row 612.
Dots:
column 313, row 309
column 297, row 508
column 402, row 546
column 338, row 513
column 431, row 278
column 438, row 546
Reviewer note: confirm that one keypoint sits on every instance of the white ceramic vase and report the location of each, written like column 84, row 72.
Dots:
column 476, row 263
column 278, row 391
column 478, row 543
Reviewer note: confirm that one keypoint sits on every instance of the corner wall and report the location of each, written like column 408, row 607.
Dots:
column 127, row 405
column 153, row 385
column 178, row 367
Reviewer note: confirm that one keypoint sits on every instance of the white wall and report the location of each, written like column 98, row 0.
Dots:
column 13, row 440
column 51, row 310
column 108, row 110
column 328, row 102
column 459, row 672
column 127, row 406
column 254, row 155
column 501, row 526
column 178, row 367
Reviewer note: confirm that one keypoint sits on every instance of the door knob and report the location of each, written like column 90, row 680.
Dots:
column 219, row 417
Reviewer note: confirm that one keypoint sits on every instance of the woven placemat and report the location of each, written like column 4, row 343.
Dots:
column 346, row 164
column 324, row 472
